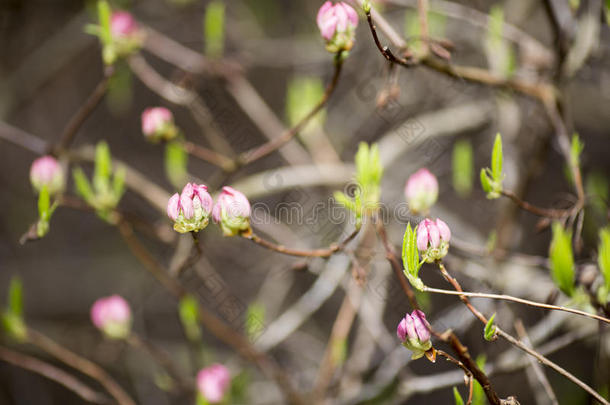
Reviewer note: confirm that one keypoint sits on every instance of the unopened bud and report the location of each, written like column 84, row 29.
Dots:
column 414, row 332
column 47, row 172
column 421, row 191
column 213, row 382
column 158, row 124
column 191, row 209
column 232, row 212
column 112, row 316
column 433, row 239
column 337, row 24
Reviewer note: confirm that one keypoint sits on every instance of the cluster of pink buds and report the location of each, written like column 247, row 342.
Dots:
column 158, row 124
column 126, row 37
column 232, row 212
column 47, row 172
column 414, row 333
column 421, row 191
column 191, row 209
column 337, row 24
column 433, row 239
column 112, row 316
column 213, row 382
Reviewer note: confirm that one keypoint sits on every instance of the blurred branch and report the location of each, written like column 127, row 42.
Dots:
column 52, row 373
column 81, row 364
column 22, row 139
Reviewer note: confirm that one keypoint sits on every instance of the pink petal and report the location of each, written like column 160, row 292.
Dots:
column 433, row 234
column 322, row 13
column 444, row 230
column 422, row 236
column 173, row 207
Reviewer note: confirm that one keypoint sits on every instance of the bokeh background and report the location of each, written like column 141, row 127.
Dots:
column 49, row 66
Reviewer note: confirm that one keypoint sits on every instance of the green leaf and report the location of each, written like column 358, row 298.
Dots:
column 604, row 255
column 83, row 187
column 189, row 316
column 255, row 320
column 15, row 296
column 302, row 95
column 576, row 149
column 103, row 168
column 596, row 188
column 214, row 30
column 463, row 167
column 118, row 182
column 562, row 259
column 478, row 394
column 103, row 15
column 410, row 254
column 490, row 329
column 496, row 160
column 485, row 182
column 44, row 203
column 14, row 326
column 176, row 160
column 457, row 397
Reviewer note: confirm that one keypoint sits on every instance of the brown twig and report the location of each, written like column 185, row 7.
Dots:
column 81, row 364
column 467, row 372
column 519, row 344
column 274, row 144
column 541, row 212
column 518, row 300
column 324, row 252
column 52, row 373
column 208, row 155
column 78, row 119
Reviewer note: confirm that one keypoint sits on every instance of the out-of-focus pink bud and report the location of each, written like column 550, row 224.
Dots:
column 433, row 239
column 337, row 24
column 232, row 212
column 122, row 24
column 47, row 172
column 421, row 191
column 213, row 382
column 414, row 332
column 112, row 316
column 191, row 209
column 158, row 123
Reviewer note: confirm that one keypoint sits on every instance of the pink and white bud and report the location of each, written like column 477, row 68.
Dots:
column 191, row 209
column 232, row 212
column 337, row 24
column 421, row 191
column 47, row 172
column 414, row 332
column 433, row 239
column 112, row 316
column 213, row 383
column 158, row 124
column 122, row 24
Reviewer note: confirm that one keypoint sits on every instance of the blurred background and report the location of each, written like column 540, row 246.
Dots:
column 419, row 117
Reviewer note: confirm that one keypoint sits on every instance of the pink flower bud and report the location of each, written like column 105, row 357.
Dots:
column 337, row 24
column 421, row 191
column 112, row 316
column 46, row 171
column 158, row 123
column 122, row 24
column 414, row 332
column 191, row 209
column 433, row 239
column 232, row 212
column 213, row 382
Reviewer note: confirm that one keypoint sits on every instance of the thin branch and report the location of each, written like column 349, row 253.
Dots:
column 274, row 144
column 325, row 252
column 21, row 138
column 541, row 212
column 518, row 300
column 81, row 364
column 519, row 344
column 78, row 119
column 208, row 155
column 467, row 372
column 52, row 373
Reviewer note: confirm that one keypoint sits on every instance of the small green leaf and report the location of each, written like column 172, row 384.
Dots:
column 255, row 320
column 478, row 394
column 83, row 187
column 103, row 168
column 576, row 149
column 103, row 15
column 604, row 255
column 496, row 160
column 410, row 254
column 44, row 203
column 189, row 316
column 303, row 93
column 14, row 326
column 176, row 160
column 462, row 167
column 485, row 183
column 214, row 30
column 562, row 259
column 15, row 296
column 457, row 397
column 490, row 329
